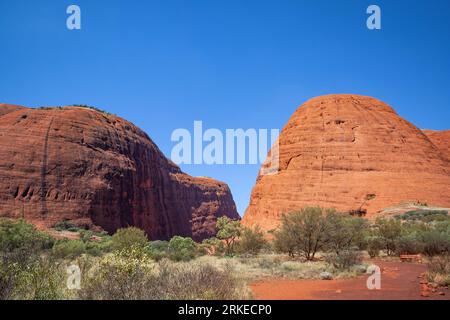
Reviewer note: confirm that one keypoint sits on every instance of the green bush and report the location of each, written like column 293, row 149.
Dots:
column 65, row 225
column 129, row 237
column 44, row 279
column 181, row 249
column 229, row 231
column 424, row 215
column 69, row 249
column 303, row 232
column 127, row 276
column 373, row 246
column 251, row 241
column 345, row 258
column 344, row 232
column 22, row 236
column 158, row 249
column 409, row 243
column 435, row 243
column 25, row 269
column 388, row 231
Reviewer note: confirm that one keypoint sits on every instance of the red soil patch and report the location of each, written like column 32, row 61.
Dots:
column 399, row 281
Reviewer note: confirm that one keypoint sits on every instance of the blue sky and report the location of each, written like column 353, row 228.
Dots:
column 232, row 64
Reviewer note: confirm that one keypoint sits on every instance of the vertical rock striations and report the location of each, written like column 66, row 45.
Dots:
column 97, row 169
column 351, row 152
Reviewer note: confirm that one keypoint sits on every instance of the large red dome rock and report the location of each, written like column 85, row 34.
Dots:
column 440, row 139
column 350, row 152
column 94, row 168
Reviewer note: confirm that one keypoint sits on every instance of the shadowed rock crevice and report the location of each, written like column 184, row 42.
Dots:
column 44, row 186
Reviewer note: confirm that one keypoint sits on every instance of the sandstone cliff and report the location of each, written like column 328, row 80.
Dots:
column 350, row 152
column 440, row 139
column 97, row 169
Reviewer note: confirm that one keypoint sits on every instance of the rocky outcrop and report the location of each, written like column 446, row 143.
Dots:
column 350, row 152
column 96, row 169
column 440, row 139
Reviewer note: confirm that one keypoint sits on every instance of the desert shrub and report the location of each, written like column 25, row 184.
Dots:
column 303, row 232
column 44, row 279
column 20, row 235
column 24, row 264
column 439, row 270
column 285, row 242
column 212, row 246
column 251, row 241
column 388, row 231
column 229, row 231
column 86, row 235
column 66, row 225
column 68, row 248
column 126, row 238
column 190, row 281
column 158, row 249
column 97, row 248
column 181, row 249
column 373, row 245
column 435, row 243
column 130, row 274
column 424, row 215
column 268, row 262
column 343, row 232
column 92, row 108
column 126, row 274
column 345, row 258
column 409, row 243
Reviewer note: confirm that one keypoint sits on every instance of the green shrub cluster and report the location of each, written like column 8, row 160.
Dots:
column 425, row 215
column 26, row 269
column 306, row 232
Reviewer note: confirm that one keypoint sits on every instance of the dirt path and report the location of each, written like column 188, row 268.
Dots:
column 399, row 281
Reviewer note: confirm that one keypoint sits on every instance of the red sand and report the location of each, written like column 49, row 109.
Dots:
column 399, row 281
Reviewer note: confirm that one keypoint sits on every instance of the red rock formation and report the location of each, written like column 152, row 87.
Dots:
column 440, row 139
column 97, row 169
column 347, row 152
column 7, row 108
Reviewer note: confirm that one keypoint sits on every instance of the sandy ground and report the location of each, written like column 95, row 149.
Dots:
column 399, row 281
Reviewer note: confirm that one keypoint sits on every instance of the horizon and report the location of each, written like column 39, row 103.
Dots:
column 163, row 66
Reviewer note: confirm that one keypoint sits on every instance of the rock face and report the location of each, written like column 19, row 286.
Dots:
column 96, row 169
column 350, row 152
column 441, row 139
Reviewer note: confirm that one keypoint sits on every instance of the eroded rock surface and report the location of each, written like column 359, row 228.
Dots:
column 96, row 169
column 350, row 152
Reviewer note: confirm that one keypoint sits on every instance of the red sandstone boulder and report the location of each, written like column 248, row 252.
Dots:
column 350, row 152
column 97, row 169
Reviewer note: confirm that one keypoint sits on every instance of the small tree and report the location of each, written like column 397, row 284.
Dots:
column 129, row 237
column 181, row 249
column 304, row 232
column 344, row 232
column 229, row 231
column 389, row 231
column 251, row 240
column 373, row 245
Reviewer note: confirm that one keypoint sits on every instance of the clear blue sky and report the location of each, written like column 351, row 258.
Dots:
column 232, row 64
